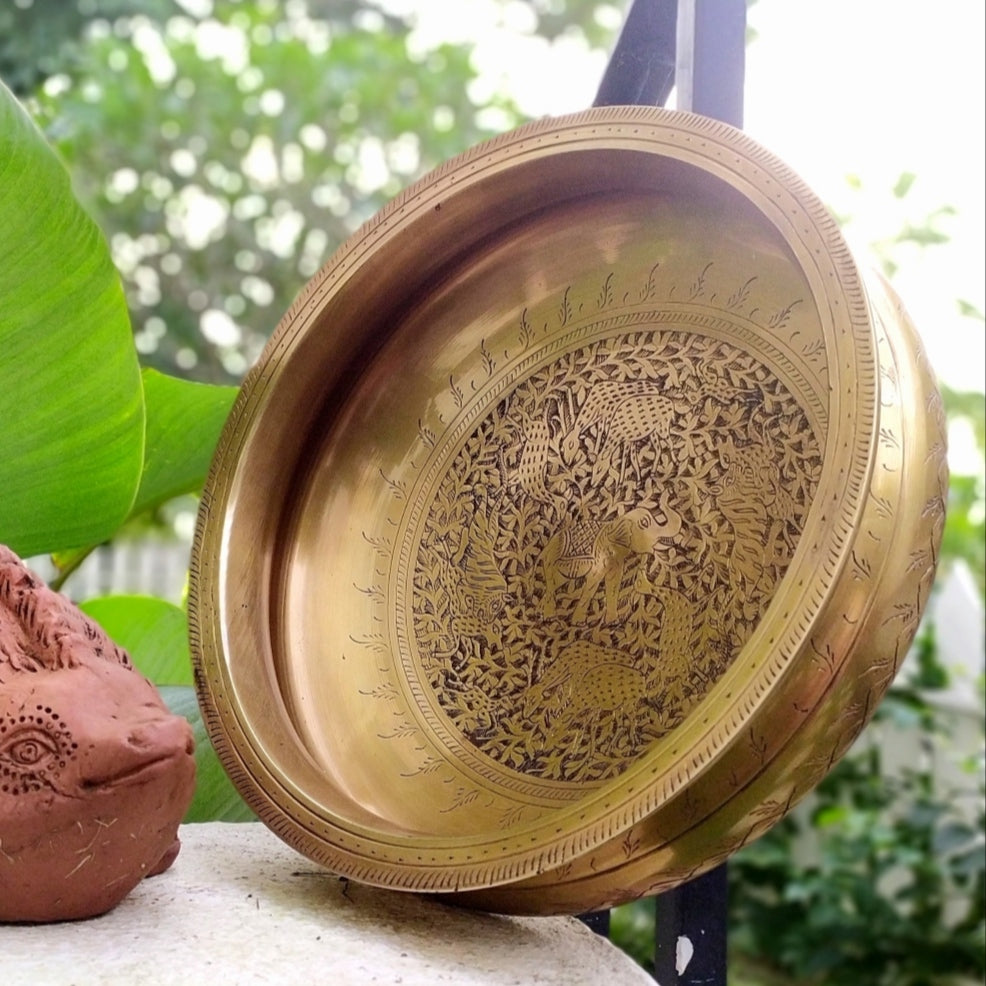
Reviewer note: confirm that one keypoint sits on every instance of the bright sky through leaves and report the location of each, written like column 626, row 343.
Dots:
column 866, row 88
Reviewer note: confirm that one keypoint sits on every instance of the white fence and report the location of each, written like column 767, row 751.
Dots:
column 146, row 568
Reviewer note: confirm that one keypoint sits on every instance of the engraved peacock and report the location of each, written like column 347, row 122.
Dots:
column 602, row 544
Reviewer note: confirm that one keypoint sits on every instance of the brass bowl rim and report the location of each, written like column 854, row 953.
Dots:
column 282, row 801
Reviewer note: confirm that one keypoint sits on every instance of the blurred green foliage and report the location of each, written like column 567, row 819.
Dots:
column 894, row 893
column 227, row 147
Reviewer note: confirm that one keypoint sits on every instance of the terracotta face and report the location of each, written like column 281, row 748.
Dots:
column 95, row 771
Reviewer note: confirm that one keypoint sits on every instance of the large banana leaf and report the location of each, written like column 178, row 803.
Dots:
column 184, row 420
column 152, row 631
column 71, row 403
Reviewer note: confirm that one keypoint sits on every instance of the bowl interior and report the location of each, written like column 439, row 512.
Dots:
column 513, row 492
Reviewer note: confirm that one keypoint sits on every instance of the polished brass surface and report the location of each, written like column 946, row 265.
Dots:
column 573, row 520
column 845, row 666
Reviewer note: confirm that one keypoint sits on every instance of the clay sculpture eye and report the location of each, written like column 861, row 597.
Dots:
column 33, row 750
column 28, row 748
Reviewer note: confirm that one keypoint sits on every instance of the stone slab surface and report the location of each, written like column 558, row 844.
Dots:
column 241, row 907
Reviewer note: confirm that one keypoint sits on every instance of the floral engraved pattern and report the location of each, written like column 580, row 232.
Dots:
column 603, row 543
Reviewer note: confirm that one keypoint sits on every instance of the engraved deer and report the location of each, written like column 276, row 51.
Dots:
column 617, row 417
column 585, row 684
column 597, row 552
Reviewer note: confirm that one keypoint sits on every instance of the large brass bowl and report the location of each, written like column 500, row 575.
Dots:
column 570, row 525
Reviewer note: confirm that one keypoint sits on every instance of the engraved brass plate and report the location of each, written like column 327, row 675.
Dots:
column 561, row 518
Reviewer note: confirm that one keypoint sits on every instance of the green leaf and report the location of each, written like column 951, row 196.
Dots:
column 904, row 183
column 970, row 862
column 925, row 235
column 970, row 310
column 215, row 799
column 831, row 815
column 952, row 836
column 184, row 420
column 71, row 403
column 153, row 631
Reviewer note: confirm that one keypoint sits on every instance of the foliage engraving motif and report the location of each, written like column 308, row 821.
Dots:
column 602, row 544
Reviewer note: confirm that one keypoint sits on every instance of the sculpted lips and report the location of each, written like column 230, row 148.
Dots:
column 136, row 774
column 142, row 755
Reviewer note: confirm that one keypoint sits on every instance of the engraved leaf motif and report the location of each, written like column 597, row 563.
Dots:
column 862, row 569
column 699, row 284
column 512, row 816
column 457, row 394
column 649, row 290
column 565, row 308
column 374, row 592
column 630, row 844
column 814, row 349
column 397, row 487
column 403, row 731
column 758, row 744
column 387, row 690
column 779, row 319
column 426, row 435
column 825, row 656
column 526, row 332
column 740, row 295
column 489, row 364
column 888, row 438
column 605, row 297
column 430, row 765
column 382, row 545
column 462, row 798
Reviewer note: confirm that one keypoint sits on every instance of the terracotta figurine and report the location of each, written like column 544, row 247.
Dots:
column 95, row 772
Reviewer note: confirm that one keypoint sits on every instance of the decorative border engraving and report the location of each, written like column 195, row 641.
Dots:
column 599, row 519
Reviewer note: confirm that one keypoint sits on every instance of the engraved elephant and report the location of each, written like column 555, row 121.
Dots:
column 596, row 552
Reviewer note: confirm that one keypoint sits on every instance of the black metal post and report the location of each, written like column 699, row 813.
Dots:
column 597, row 921
column 690, row 932
column 711, row 58
column 641, row 70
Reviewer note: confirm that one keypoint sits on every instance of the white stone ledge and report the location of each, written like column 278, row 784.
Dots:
column 239, row 907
